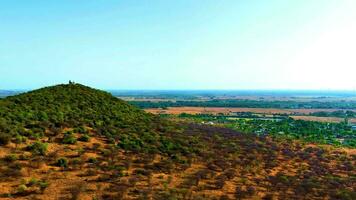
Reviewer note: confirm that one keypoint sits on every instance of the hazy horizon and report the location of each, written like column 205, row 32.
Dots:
column 179, row 45
column 253, row 92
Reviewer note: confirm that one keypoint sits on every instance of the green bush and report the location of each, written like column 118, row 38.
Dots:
column 43, row 185
column 62, row 162
column 21, row 189
column 10, row 158
column 32, row 182
column 69, row 139
column 38, row 148
column 84, row 138
column 4, row 139
column 20, row 139
column 80, row 129
column 92, row 160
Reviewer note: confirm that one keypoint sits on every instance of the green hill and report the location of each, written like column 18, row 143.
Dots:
column 51, row 109
column 72, row 103
column 74, row 142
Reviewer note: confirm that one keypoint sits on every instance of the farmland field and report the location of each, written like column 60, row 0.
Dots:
column 216, row 110
column 295, row 113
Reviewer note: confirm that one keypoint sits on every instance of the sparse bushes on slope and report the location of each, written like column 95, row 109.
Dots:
column 84, row 138
column 48, row 110
column 69, row 138
column 38, row 148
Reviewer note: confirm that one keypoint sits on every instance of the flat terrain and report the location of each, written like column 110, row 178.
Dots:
column 295, row 113
column 217, row 110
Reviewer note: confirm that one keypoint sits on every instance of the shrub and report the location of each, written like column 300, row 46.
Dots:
column 38, row 148
column 69, row 139
column 32, row 182
column 84, row 138
column 92, row 160
column 62, row 162
column 21, row 189
column 76, row 161
column 80, row 129
column 10, row 158
column 43, row 185
column 4, row 139
column 20, row 139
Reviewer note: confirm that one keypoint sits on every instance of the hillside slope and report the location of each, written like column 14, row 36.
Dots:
column 74, row 142
column 71, row 104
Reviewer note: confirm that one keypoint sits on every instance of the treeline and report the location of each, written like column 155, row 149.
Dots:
column 338, row 113
column 237, row 103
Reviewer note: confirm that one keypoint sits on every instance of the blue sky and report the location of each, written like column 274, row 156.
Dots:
column 185, row 44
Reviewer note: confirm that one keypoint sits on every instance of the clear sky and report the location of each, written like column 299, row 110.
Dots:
column 181, row 44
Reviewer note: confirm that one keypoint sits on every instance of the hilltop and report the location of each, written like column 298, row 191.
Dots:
column 71, row 105
column 52, row 109
column 74, row 142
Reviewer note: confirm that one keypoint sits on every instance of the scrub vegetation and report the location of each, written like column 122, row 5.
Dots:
column 74, row 142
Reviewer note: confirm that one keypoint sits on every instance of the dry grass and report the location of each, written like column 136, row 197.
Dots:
column 318, row 119
column 294, row 113
column 89, row 181
column 225, row 110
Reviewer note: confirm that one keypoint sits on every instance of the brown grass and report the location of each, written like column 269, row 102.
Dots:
column 294, row 113
column 318, row 119
column 76, row 183
column 225, row 110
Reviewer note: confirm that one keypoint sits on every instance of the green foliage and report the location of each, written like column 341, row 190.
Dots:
column 69, row 138
column 47, row 110
column 4, row 138
column 20, row 139
column 32, row 181
column 11, row 158
column 80, row 129
column 21, row 189
column 338, row 134
column 133, row 144
column 43, row 185
column 84, row 138
column 153, row 145
column 71, row 105
column 62, row 162
column 38, row 148
column 338, row 113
